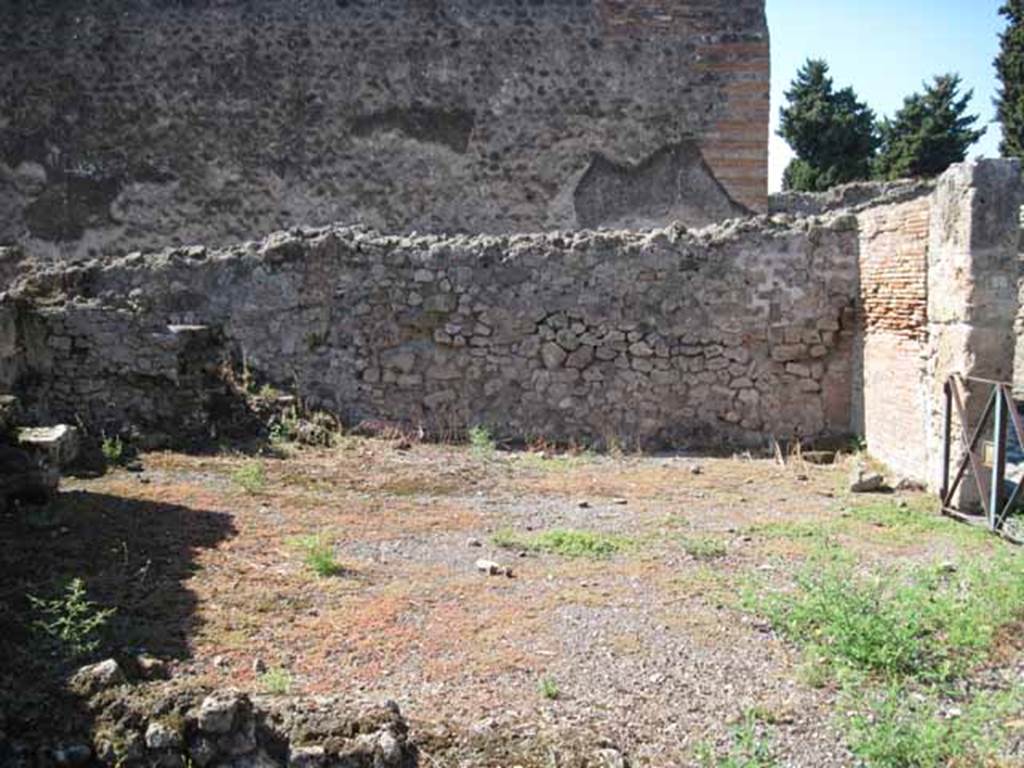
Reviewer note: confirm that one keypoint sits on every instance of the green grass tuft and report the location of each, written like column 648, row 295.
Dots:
column 549, row 689
column 482, row 441
column 749, row 748
column 113, row 450
column 277, row 681
column 563, row 542
column 318, row 555
column 704, row 548
column 250, row 478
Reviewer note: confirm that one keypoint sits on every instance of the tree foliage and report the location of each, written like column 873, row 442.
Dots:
column 1010, row 68
column 929, row 133
column 831, row 131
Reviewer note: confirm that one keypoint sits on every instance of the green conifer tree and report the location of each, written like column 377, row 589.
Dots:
column 929, row 133
column 1010, row 67
column 832, row 132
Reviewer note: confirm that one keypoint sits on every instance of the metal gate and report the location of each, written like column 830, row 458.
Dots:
column 987, row 459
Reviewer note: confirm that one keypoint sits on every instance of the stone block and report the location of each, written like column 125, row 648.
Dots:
column 553, row 356
column 58, row 444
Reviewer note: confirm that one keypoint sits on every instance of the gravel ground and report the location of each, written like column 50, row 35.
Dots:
column 649, row 649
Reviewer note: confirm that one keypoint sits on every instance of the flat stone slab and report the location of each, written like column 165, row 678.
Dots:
column 59, row 443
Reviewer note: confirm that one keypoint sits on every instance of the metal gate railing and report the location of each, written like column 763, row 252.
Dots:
column 997, row 501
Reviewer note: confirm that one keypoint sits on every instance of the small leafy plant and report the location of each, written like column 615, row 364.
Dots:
column 564, row 542
column 112, row 449
column 898, row 727
column 318, row 555
column 285, row 428
column 250, row 478
column 71, row 620
column 549, row 688
column 704, row 548
column 481, row 440
column 748, row 749
column 921, row 623
column 277, row 681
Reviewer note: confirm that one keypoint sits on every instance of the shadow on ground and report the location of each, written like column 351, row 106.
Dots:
column 134, row 556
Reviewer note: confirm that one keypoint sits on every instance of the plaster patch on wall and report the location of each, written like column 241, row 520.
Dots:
column 674, row 183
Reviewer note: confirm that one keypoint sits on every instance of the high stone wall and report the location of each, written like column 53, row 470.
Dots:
column 667, row 337
column 145, row 124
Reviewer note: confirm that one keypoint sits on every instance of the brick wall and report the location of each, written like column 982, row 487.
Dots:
column 938, row 296
column 894, row 307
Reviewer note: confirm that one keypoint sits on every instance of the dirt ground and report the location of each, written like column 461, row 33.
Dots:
column 647, row 646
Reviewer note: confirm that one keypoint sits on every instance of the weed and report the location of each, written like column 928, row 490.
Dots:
column 704, row 548
column 549, row 688
column 112, row 449
column 815, row 670
column 285, row 426
column 318, row 555
column 898, row 728
column 71, row 620
column 925, row 623
column 879, row 520
column 895, row 640
column 912, row 523
column 250, row 478
column 748, row 748
column 563, row 542
column 268, row 392
column 792, row 529
column 277, row 681
column 548, row 462
column 481, row 440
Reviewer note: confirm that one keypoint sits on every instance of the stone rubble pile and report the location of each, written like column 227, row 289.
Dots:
column 159, row 727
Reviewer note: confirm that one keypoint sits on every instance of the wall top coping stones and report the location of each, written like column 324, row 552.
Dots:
column 854, row 197
column 45, row 281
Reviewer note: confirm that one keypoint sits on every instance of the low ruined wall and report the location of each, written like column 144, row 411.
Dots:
column 668, row 337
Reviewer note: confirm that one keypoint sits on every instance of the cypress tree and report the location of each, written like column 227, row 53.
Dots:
column 1010, row 68
column 832, row 132
column 929, row 133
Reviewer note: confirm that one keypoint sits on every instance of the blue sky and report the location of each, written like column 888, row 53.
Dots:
column 885, row 49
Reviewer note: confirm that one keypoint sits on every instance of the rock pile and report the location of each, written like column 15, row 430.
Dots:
column 137, row 726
